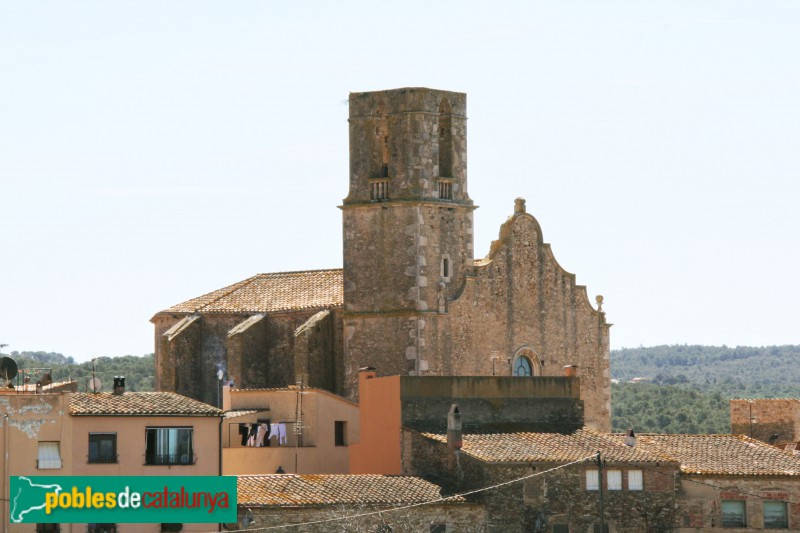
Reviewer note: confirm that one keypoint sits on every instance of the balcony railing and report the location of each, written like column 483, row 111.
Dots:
column 103, row 459
column 170, row 459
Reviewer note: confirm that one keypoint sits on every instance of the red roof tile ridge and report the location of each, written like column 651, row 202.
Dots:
column 235, row 287
column 281, row 273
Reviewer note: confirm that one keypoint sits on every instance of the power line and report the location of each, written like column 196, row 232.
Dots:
column 420, row 504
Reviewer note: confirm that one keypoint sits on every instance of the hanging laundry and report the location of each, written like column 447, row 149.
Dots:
column 251, row 439
column 282, row 433
column 262, row 430
column 244, row 432
column 273, row 431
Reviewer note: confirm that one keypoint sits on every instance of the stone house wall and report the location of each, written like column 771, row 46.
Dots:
column 558, row 497
column 779, row 417
column 460, row 517
column 700, row 500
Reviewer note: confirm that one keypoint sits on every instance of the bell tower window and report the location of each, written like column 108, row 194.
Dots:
column 445, row 141
column 380, row 144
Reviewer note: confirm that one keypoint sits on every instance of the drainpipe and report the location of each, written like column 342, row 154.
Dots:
column 6, row 488
column 219, row 454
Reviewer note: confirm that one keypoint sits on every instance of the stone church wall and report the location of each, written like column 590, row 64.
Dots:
column 257, row 355
column 521, row 299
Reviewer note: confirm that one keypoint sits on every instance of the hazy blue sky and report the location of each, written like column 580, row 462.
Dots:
column 153, row 151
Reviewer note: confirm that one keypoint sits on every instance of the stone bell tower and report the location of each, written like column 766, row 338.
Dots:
column 407, row 223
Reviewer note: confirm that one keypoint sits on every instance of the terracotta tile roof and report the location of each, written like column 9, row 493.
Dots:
column 721, row 455
column 724, row 455
column 548, row 447
column 292, row 490
column 138, row 404
column 265, row 293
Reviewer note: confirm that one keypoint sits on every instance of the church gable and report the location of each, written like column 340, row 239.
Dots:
column 522, row 314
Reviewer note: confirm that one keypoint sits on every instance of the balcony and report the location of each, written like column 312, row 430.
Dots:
column 184, row 459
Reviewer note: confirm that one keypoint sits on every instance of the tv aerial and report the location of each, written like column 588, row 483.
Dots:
column 95, row 385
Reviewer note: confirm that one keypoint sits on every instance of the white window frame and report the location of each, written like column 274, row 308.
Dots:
column 49, row 455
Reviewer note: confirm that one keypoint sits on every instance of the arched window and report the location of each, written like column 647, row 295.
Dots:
column 526, row 363
column 522, row 367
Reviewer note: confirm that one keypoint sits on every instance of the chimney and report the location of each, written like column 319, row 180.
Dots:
column 630, row 438
column 454, row 428
column 119, row 384
column 571, row 371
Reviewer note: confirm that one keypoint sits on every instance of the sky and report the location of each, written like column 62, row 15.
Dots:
column 153, row 151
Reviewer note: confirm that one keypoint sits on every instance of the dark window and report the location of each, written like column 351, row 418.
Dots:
column 775, row 515
column 341, row 433
column 598, row 529
column 445, row 267
column 102, row 448
column 438, row 528
column 383, row 528
column 384, row 171
column 171, row 527
column 733, row 513
column 445, row 140
column 522, row 366
column 560, row 528
column 102, row 528
column 169, row 446
column 47, row 528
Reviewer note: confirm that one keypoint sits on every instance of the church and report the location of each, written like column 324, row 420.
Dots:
column 411, row 298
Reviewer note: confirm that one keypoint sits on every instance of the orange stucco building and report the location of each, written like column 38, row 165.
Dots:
column 318, row 428
column 59, row 432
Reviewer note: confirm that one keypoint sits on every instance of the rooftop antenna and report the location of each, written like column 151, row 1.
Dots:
column 94, row 383
column 8, row 369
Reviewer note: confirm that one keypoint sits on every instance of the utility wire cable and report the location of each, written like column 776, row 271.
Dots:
column 420, row 504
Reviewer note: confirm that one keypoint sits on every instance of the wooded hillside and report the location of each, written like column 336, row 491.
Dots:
column 687, row 387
